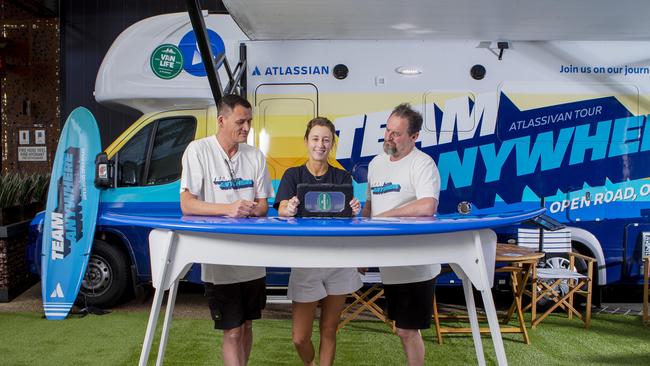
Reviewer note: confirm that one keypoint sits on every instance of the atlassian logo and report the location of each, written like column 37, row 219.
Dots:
column 488, row 142
column 292, row 70
column 385, row 188
column 234, row 184
column 67, row 221
column 57, row 292
column 192, row 62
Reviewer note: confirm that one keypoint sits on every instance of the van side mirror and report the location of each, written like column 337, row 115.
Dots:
column 104, row 172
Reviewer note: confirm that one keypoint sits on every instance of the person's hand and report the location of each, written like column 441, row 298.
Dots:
column 292, row 206
column 356, row 206
column 362, row 270
column 241, row 208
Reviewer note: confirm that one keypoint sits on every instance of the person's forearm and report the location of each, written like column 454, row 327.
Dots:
column 282, row 209
column 419, row 208
column 194, row 206
column 261, row 209
column 366, row 209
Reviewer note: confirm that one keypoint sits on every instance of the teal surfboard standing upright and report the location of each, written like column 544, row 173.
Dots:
column 71, row 214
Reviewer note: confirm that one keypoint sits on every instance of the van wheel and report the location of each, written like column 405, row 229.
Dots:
column 107, row 277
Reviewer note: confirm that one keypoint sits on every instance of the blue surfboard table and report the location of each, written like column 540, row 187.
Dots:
column 467, row 243
column 283, row 226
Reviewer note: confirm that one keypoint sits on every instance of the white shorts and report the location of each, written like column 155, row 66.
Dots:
column 313, row 284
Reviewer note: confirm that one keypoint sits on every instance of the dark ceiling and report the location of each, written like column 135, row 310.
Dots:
column 38, row 8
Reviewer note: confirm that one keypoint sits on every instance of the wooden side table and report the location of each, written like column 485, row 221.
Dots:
column 520, row 263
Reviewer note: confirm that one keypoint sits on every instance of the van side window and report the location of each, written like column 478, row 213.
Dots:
column 153, row 155
column 132, row 158
column 172, row 137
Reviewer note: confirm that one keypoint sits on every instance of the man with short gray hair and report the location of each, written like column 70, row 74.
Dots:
column 223, row 176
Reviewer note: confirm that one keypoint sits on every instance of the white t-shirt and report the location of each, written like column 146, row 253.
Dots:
column 392, row 184
column 212, row 177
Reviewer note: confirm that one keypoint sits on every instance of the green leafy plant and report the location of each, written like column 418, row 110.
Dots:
column 20, row 189
column 10, row 187
column 40, row 184
column 23, row 191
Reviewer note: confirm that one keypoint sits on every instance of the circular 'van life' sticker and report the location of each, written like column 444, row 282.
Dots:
column 166, row 61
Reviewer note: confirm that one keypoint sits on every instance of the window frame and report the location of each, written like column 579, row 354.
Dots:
column 150, row 140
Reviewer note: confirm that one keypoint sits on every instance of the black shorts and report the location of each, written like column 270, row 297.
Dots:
column 410, row 305
column 232, row 304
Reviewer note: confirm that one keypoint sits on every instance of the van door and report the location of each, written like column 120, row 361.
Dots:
column 148, row 159
column 282, row 113
column 634, row 248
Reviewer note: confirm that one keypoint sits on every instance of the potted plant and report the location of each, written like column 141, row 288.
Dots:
column 21, row 196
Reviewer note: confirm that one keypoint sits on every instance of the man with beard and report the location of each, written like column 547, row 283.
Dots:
column 405, row 183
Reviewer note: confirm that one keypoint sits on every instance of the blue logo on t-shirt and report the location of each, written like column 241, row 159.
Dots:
column 385, row 188
column 234, row 184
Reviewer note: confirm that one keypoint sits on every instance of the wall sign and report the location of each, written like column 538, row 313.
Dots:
column 32, row 153
column 39, row 137
column 23, row 137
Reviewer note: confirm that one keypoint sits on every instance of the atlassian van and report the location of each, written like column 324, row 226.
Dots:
column 559, row 122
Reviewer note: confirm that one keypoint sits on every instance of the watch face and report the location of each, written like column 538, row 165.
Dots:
column 464, row 208
column 318, row 201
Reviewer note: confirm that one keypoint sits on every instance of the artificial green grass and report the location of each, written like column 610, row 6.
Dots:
column 116, row 339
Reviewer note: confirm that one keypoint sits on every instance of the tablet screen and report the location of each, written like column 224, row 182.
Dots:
column 324, row 200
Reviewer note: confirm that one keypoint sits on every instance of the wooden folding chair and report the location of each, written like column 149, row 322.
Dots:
column 519, row 263
column 365, row 299
column 558, row 280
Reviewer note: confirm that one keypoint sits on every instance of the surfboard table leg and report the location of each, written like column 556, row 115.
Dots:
column 471, row 312
column 475, row 272
column 488, row 301
column 493, row 322
column 171, row 300
column 168, row 249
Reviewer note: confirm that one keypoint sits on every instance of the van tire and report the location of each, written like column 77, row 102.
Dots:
column 107, row 277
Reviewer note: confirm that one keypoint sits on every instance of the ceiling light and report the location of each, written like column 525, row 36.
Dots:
column 408, row 70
